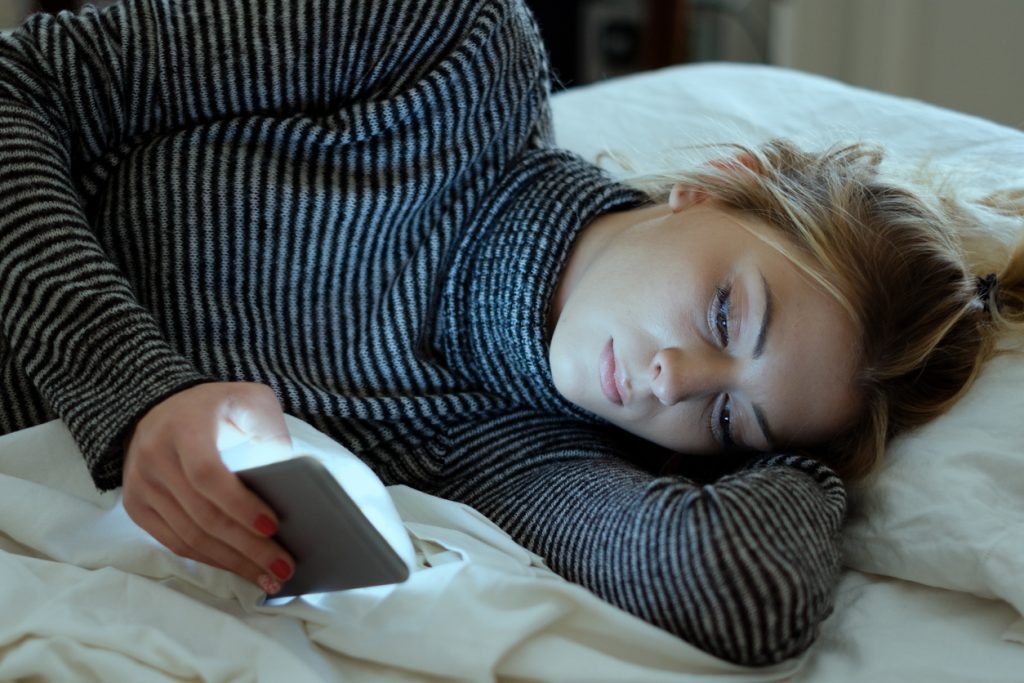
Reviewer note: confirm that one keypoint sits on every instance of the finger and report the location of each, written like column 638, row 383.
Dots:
column 255, row 416
column 192, row 540
column 259, row 550
column 263, row 552
column 203, row 471
column 151, row 521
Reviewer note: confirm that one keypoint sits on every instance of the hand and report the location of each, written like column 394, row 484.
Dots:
column 177, row 488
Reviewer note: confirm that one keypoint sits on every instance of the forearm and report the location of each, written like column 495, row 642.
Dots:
column 744, row 568
column 70, row 319
column 77, row 89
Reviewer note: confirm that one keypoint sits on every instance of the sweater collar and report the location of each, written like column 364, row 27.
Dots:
column 500, row 288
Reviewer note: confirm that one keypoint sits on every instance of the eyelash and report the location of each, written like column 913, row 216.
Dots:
column 725, row 423
column 721, row 328
column 721, row 317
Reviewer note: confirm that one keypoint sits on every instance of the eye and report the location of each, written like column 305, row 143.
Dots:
column 725, row 423
column 721, row 314
column 721, row 428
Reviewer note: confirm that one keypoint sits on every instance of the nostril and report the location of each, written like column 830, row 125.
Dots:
column 657, row 387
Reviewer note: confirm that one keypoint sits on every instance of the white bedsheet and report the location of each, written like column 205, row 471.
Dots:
column 87, row 596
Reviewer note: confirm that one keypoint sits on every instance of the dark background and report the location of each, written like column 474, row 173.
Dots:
column 586, row 39
column 589, row 40
column 58, row 5
column 592, row 39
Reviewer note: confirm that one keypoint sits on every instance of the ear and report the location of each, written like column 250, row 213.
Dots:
column 684, row 196
column 736, row 163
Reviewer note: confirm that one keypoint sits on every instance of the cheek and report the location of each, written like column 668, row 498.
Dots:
column 574, row 341
column 563, row 369
column 681, row 428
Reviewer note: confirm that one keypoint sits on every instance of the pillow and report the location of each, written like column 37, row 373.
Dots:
column 948, row 508
column 662, row 114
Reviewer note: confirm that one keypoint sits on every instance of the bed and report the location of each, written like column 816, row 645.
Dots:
column 933, row 550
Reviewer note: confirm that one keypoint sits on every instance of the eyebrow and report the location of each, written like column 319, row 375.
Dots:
column 766, row 320
column 763, row 423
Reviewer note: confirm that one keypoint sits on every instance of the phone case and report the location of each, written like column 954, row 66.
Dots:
column 334, row 545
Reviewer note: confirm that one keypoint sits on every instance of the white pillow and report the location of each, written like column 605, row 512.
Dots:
column 650, row 114
column 948, row 509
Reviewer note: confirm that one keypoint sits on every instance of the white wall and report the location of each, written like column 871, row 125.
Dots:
column 967, row 55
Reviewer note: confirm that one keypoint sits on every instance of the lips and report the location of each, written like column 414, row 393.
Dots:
column 606, row 374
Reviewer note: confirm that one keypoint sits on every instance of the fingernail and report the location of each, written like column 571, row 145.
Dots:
column 265, row 525
column 268, row 584
column 281, row 569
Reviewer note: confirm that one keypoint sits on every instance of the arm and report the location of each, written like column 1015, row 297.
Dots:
column 76, row 89
column 744, row 568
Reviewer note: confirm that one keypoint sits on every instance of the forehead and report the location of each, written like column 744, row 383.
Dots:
column 810, row 386
column 807, row 382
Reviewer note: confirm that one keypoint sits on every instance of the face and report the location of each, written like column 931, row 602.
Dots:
column 678, row 324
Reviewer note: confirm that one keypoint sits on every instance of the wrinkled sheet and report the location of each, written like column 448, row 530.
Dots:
column 89, row 596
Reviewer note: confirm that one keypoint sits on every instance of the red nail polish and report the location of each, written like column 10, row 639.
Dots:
column 268, row 585
column 280, row 569
column 265, row 525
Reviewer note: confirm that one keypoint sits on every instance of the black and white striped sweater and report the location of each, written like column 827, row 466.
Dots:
column 358, row 204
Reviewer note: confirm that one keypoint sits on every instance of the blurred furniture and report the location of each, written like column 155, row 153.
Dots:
column 589, row 40
column 73, row 5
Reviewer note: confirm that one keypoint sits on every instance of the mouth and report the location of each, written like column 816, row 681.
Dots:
column 606, row 374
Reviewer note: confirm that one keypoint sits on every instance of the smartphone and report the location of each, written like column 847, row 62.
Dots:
column 334, row 545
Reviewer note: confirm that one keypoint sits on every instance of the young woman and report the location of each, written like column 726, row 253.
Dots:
column 215, row 212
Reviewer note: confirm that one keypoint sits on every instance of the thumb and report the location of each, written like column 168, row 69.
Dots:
column 259, row 425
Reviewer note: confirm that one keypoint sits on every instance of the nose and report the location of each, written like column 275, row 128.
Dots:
column 678, row 375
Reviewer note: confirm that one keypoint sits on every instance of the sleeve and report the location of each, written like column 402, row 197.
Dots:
column 76, row 89
column 744, row 568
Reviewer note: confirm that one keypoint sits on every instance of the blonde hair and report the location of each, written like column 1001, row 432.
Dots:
column 904, row 264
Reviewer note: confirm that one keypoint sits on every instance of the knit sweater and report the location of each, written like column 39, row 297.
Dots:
column 358, row 203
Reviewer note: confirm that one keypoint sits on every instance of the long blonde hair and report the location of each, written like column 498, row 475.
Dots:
column 908, row 266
